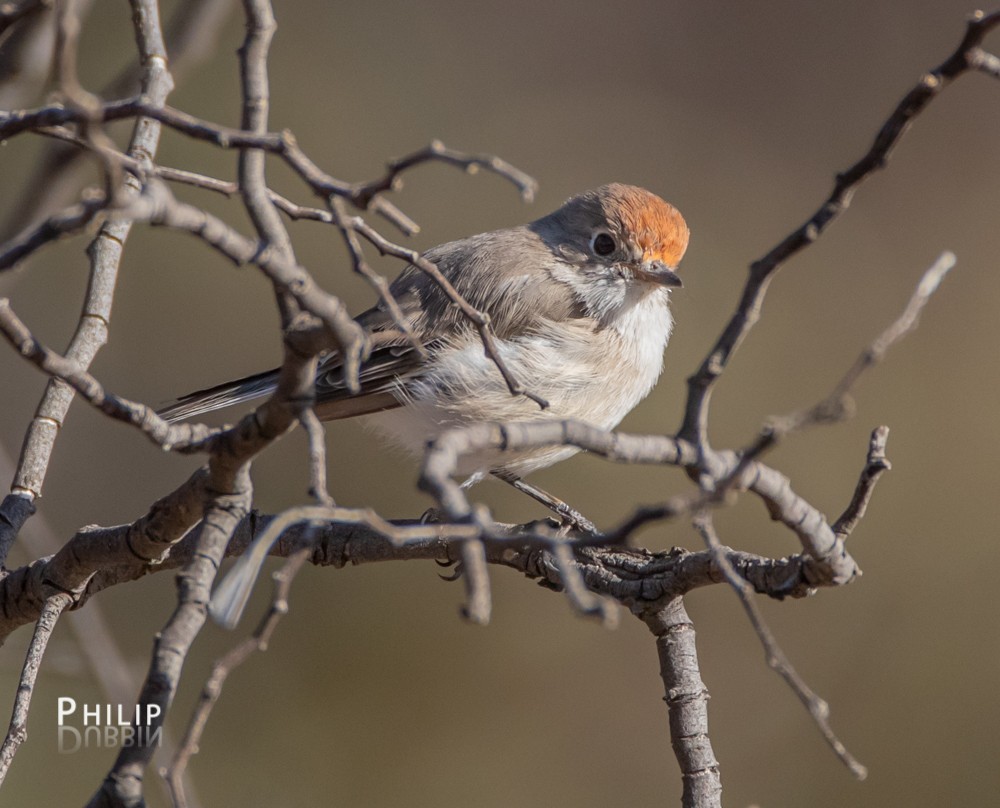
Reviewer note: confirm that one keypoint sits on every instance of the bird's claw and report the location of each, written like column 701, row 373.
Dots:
column 433, row 516
column 455, row 574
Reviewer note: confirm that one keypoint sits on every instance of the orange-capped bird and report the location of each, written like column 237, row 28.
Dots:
column 579, row 304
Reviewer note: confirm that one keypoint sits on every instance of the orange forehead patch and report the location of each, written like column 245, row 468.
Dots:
column 654, row 226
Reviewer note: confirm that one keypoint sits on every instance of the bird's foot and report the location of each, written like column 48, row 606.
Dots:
column 571, row 519
column 455, row 574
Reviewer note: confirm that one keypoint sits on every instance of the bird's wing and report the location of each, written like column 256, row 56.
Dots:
column 393, row 356
column 491, row 275
column 491, row 271
column 379, row 378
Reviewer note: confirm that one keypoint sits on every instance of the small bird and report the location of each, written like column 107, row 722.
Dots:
column 578, row 302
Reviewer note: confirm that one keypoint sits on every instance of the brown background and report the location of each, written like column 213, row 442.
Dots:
column 374, row 692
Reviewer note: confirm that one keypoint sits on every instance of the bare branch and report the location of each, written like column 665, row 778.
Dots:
column 695, row 425
column 124, row 782
column 317, row 458
column 478, row 600
column 687, row 703
column 828, row 562
column 100, row 557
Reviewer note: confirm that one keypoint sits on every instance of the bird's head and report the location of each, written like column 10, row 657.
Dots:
column 615, row 245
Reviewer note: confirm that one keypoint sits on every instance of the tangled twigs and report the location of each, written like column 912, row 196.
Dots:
column 348, row 227
column 596, row 572
column 104, row 253
column 255, row 140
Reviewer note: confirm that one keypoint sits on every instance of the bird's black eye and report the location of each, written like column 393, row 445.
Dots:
column 603, row 244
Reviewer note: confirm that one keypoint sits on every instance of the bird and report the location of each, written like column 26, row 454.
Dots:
column 578, row 302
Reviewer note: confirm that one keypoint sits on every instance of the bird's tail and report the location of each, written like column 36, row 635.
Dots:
column 222, row 395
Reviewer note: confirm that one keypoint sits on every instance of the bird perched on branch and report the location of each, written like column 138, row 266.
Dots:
column 578, row 304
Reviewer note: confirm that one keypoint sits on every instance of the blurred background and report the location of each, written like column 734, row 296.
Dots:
column 374, row 692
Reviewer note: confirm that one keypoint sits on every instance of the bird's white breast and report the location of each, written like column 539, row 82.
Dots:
column 585, row 370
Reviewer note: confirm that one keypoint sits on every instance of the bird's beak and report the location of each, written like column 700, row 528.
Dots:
column 658, row 272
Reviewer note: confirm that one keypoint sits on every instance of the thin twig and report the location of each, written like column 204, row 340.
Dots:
column 66, row 222
column 876, row 464
column 478, row 598
column 225, row 665
column 86, row 104
column 317, row 457
column 363, row 193
column 17, row 732
column 838, row 404
column 283, row 144
column 181, row 438
column 776, row 659
column 582, row 599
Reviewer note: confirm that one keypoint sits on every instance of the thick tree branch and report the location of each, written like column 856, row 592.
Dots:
column 687, row 703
